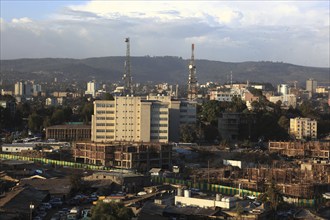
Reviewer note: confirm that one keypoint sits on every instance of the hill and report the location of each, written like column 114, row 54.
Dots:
column 157, row 69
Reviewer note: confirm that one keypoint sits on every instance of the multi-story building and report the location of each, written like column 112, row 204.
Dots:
column 141, row 156
column 311, row 85
column 303, row 128
column 283, row 89
column 136, row 119
column 71, row 132
column 23, row 89
column 236, row 126
column 224, row 96
column 286, row 100
column 92, row 88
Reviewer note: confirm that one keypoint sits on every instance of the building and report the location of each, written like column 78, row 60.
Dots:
column 70, row 132
column 222, row 96
column 92, row 88
column 310, row 149
column 17, row 147
column 23, row 89
column 10, row 105
column 127, row 182
column 303, row 128
column 286, row 100
column 236, row 126
column 311, row 85
column 283, row 89
column 204, row 202
column 136, row 119
column 140, row 156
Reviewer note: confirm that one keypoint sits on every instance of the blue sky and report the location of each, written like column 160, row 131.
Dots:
column 33, row 9
column 235, row 31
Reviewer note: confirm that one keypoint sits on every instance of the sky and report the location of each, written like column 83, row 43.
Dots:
column 231, row 31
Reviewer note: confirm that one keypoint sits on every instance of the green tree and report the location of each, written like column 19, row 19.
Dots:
column 87, row 112
column 108, row 96
column 273, row 195
column 111, row 211
column 35, row 122
column 58, row 117
column 284, row 122
column 188, row 133
column 239, row 211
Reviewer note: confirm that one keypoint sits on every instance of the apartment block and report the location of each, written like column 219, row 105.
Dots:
column 303, row 128
column 140, row 119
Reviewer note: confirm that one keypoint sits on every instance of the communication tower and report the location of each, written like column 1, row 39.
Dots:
column 192, row 81
column 127, row 78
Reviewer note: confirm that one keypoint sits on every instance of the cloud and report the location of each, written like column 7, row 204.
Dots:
column 227, row 31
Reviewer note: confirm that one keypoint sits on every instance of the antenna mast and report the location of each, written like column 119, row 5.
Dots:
column 127, row 78
column 192, row 81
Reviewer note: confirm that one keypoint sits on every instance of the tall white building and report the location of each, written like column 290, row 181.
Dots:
column 138, row 119
column 283, row 89
column 303, row 128
column 92, row 88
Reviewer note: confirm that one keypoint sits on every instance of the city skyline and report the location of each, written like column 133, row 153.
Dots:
column 291, row 32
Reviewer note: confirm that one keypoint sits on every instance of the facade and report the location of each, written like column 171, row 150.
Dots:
column 17, row 147
column 140, row 156
column 287, row 100
column 23, row 89
column 236, row 126
column 136, row 119
column 69, row 132
column 303, row 128
column 92, row 88
column 222, row 96
column 283, row 89
column 311, row 149
column 311, row 85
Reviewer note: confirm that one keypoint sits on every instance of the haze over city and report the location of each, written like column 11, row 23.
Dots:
column 284, row 31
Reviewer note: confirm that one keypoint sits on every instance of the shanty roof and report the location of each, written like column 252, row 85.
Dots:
column 55, row 186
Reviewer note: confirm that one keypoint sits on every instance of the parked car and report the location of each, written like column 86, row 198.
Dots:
column 46, row 205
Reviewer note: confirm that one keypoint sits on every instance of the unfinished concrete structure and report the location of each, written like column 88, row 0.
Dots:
column 311, row 149
column 127, row 155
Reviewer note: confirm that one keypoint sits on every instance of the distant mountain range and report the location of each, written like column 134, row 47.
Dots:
column 158, row 69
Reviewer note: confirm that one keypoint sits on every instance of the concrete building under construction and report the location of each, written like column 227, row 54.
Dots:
column 124, row 155
column 311, row 149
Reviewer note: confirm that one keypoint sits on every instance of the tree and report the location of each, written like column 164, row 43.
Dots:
column 35, row 122
column 239, row 210
column 284, row 122
column 58, row 117
column 87, row 112
column 111, row 211
column 108, row 96
column 273, row 196
column 188, row 133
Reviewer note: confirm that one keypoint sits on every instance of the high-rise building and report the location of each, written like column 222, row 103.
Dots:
column 303, row 128
column 23, row 88
column 92, row 88
column 283, row 89
column 139, row 119
column 311, row 85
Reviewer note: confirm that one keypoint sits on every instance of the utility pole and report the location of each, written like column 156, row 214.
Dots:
column 208, row 171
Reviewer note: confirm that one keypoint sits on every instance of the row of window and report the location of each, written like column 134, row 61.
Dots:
column 105, row 124
column 101, row 130
column 159, row 125
column 103, row 105
column 104, row 137
column 158, row 131
column 105, row 118
column 104, row 112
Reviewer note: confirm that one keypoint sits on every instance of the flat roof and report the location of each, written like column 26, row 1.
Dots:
column 70, row 126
